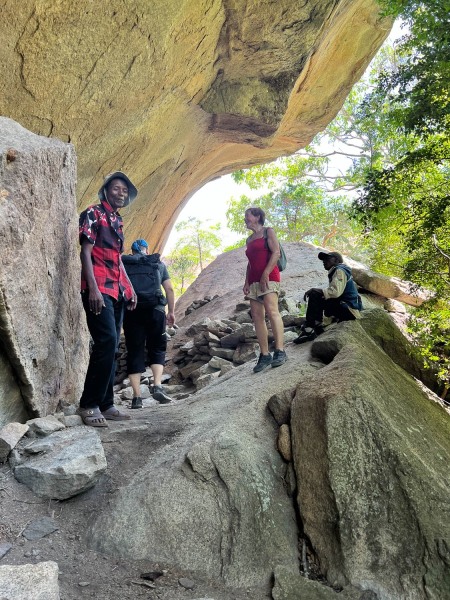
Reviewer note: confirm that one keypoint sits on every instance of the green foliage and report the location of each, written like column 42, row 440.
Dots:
column 183, row 265
column 421, row 81
column 197, row 246
column 409, row 199
column 296, row 207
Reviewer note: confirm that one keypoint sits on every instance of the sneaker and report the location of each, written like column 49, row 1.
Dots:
column 136, row 402
column 307, row 335
column 158, row 394
column 279, row 358
column 264, row 361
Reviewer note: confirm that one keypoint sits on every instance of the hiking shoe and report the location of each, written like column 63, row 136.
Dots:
column 158, row 394
column 279, row 358
column 136, row 402
column 307, row 335
column 264, row 361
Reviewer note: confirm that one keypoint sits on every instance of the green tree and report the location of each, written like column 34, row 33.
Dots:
column 183, row 265
column 411, row 196
column 298, row 211
column 197, row 245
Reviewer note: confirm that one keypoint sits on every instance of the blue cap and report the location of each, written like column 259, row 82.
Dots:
column 137, row 245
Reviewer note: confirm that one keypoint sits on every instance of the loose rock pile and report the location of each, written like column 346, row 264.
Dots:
column 198, row 303
column 212, row 348
column 216, row 346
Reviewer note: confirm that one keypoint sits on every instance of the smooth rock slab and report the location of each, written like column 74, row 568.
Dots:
column 29, row 582
column 72, row 464
column 39, row 528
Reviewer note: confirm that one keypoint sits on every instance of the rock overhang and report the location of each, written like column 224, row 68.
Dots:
column 177, row 93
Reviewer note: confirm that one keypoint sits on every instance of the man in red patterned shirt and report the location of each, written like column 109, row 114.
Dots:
column 105, row 291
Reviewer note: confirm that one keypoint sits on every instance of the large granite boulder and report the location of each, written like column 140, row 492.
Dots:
column 177, row 93
column 371, row 454
column 382, row 329
column 44, row 343
column 213, row 499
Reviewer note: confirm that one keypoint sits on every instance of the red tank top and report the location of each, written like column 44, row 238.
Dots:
column 258, row 256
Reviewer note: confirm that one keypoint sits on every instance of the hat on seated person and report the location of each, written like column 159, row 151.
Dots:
column 336, row 255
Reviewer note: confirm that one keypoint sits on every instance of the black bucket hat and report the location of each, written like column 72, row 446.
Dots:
column 132, row 190
column 323, row 255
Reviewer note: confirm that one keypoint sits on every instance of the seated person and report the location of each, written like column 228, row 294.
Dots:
column 339, row 300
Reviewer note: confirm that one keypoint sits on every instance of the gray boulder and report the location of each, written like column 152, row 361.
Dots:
column 43, row 426
column 245, row 352
column 44, row 335
column 382, row 329
column 29, row 582
column 63, row 464
column 371, row 455
column 216, row 501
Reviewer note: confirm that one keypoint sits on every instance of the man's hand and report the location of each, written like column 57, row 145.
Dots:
column 308, row 292
column 132, row 303
column 170, row 319
column 96, row 301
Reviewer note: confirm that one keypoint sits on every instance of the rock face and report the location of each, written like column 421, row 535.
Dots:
column 176, row 93
column 362, row 458
column 371, row 456
column 214, row 502
column 41, row 322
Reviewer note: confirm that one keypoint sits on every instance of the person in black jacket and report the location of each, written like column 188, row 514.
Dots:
column 339, row 300
column 145, row 327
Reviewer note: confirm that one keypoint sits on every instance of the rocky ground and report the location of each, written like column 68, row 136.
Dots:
column 84, row 573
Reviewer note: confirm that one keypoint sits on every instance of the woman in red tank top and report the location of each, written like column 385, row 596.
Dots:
column 262, row 286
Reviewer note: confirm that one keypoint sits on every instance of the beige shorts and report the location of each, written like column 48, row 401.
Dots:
column 256, row 293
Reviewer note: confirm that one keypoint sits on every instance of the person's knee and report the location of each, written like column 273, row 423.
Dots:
column 257, row 312
column 272, row 312
column 106, row 343
column 315, row 295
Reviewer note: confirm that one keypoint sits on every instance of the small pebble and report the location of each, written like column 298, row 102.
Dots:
column 186, row 583
column 83, row 583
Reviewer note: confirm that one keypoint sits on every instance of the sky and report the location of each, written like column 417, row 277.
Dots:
column 209, row 204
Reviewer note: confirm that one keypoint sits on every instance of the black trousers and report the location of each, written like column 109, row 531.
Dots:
column 105, row 332
column 145, row 331
column 318, row 306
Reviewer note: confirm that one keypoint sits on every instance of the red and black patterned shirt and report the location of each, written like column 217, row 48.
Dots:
column 103, row 228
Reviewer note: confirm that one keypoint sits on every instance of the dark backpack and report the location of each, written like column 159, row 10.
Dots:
column 282, row 261
column 144, row 273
